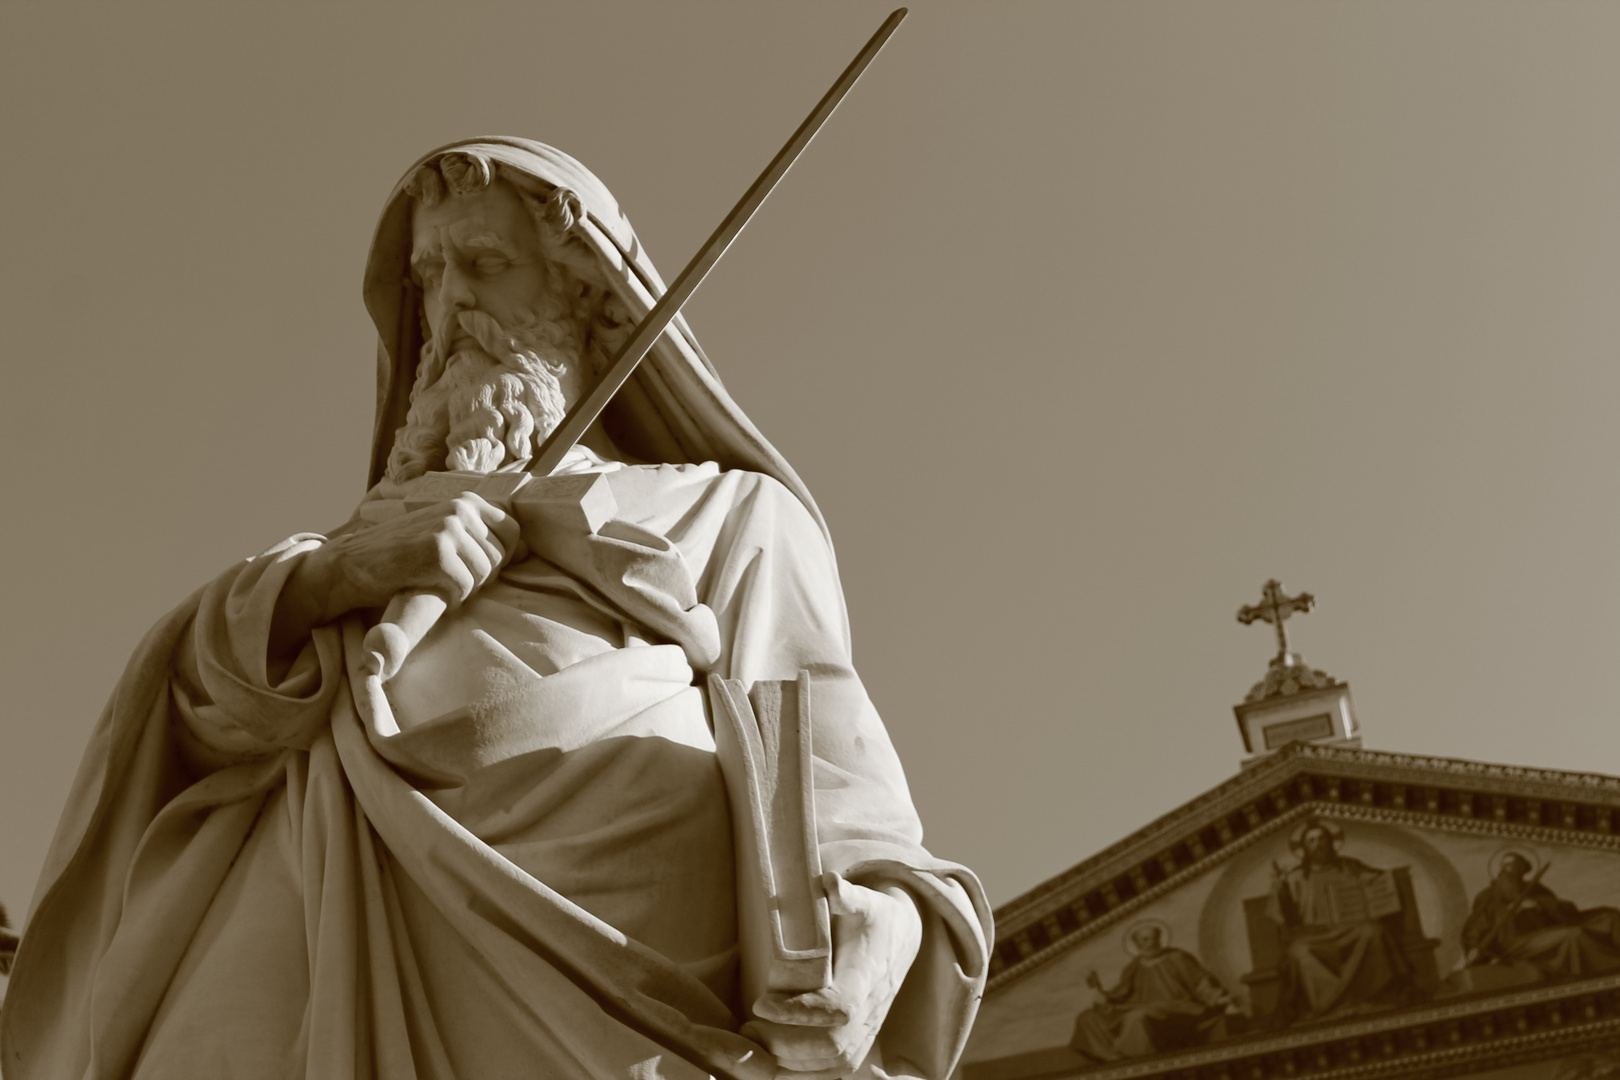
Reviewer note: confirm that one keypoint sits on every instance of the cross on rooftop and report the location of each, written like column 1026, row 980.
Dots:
column 1275, row 607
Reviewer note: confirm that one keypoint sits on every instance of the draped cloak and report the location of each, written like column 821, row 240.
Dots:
column 514, row 858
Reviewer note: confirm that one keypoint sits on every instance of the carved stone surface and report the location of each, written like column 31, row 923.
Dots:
column 1283, row 680
column 1461, row 842
column 510, row 851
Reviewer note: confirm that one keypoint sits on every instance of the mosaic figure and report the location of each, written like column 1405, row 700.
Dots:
column 1165, row 999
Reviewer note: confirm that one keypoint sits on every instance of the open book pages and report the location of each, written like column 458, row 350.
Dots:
column 1370, row 898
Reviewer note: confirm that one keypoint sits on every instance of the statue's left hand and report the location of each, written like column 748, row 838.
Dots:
column 827, row 1034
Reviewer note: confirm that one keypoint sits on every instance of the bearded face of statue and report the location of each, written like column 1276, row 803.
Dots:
column 501, row 365
column 476, row 252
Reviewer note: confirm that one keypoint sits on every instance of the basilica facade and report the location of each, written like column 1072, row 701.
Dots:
column 1330, row 912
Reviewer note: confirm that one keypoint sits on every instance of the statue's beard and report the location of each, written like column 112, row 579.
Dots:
column 487, row 405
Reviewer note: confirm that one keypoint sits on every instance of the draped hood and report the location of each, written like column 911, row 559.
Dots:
column 674, row 409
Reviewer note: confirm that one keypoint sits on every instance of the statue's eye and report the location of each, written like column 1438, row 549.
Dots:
column 491, row 264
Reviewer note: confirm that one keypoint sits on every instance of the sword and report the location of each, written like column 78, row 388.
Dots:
column 410, row 615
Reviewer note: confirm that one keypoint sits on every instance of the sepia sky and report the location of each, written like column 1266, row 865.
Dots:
column 1079, row 319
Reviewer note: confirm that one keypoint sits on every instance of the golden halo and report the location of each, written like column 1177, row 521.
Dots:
column 1165, row 934
column 1527, row 854
column 1296, row 839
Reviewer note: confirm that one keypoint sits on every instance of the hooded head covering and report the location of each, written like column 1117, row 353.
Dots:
column 673, row 409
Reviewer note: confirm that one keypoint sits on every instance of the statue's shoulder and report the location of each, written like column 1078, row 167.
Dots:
column 705, row 482
column 718, row 508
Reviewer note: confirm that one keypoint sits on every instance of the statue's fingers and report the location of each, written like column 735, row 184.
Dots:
column 477, row 532
column 798, row 1049
column 483, row 557
column 457, row 557
column 470, row 506
column 492, row 555
column 832, row 1072
column 478, row 516
column 817, row 1008
column 504, row 524
column 510, row 536
column 503, row 534
column 779, row 1039
column 842, row 897
column 517, row 551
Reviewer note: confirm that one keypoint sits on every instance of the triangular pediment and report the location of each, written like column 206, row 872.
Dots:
column 1415, row 842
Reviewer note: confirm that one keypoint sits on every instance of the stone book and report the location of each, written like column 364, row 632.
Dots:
column 762, row 737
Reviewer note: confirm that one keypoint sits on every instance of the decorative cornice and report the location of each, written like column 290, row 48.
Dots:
column 1422, row 1042
column 1289, row 762
column 1282, row 823
column 1531, row 804
column 1483, row 774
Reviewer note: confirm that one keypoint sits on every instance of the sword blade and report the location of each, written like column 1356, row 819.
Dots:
column 410, row 615
column 640, row 342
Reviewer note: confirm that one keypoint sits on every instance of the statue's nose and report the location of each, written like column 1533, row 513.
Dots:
column 456, row 291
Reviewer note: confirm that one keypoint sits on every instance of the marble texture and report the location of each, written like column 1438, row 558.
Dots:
column 514, row 853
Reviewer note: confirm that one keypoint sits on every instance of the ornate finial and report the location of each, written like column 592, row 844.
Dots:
column 1275, row 607
column 1294, row 702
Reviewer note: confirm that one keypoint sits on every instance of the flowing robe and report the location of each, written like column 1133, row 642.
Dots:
column 1160, row 1003
column 514, row 860
column 1550, row 933
column 1331, row 966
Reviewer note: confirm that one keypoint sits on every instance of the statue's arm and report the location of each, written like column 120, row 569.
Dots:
column 232, row 699
column 913, row 938
column 451, row 548
column 258, row 666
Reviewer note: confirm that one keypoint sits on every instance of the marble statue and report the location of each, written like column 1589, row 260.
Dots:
column 513, row 857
